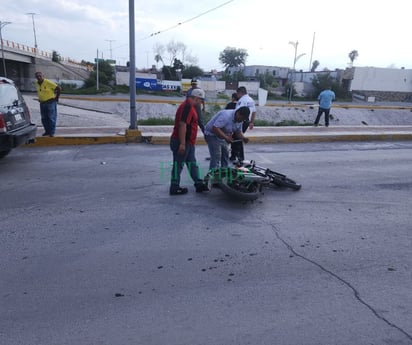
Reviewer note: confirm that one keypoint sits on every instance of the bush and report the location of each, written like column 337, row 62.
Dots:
column 68, row 88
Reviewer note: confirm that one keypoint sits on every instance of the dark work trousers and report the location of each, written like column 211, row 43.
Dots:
column 320, row 111
column 179, row 161
column 237, row 147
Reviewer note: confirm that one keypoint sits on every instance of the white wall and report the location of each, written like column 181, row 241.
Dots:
column 382, row 79
column 123, row 78
column 212, row 85
column 252, row 87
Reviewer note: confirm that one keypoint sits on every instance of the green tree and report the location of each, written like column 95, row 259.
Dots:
column 106, row 75
column 324, row 80
column 267, row 80
column 55, row 56
column 168, row 73
column 233, row 57
column 191, row 72
column 172, row 72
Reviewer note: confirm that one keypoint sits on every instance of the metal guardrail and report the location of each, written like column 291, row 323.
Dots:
column 10, row 45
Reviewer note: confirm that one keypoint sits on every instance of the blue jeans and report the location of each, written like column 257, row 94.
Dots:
column 179, row 161
column 219, row 152
column 48, row 111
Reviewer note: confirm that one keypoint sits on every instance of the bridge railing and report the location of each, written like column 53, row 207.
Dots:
column 39, row 53
column 25, row 48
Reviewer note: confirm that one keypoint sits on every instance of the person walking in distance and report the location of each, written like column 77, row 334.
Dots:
column 199, row 107
column 48, row 93
column 233, row 102
column 182, row 144
column 245, row 100
column 325, row 99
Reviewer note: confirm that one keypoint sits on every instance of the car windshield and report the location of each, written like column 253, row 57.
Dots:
column 8, row 95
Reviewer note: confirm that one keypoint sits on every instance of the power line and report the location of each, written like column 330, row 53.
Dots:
column 179, row 24
column 185, row 21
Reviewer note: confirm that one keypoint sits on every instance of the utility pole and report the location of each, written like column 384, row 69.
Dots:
column 2, row 25
column 32, row 14
column 97, row 70
column 110, row 46
column 311, row 53
column 132, row 67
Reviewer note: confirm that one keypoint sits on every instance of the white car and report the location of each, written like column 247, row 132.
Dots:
column 16, row 127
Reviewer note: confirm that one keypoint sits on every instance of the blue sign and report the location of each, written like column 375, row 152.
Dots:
column 147, row 84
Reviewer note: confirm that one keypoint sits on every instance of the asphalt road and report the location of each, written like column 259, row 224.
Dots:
column 93, row 250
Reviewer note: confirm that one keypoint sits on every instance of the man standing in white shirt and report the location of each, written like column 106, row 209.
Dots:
column 244, row 101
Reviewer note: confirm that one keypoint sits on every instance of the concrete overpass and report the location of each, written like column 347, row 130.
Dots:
column 23, row 61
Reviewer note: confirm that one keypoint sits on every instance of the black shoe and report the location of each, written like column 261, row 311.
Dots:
column 178, row 191
column 202, row 188
column 45, row 134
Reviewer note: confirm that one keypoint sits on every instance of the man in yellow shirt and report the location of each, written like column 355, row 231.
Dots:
column 49, row 93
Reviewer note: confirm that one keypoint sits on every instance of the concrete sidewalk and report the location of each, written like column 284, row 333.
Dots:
column 159, row 135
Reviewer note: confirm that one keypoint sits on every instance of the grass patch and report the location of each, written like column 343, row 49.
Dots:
column 264, row 123
column 222, row 95
column 154, row 121
column 286, row 123
column 86, row 91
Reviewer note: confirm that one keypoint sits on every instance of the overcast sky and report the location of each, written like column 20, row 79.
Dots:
column 379, row 31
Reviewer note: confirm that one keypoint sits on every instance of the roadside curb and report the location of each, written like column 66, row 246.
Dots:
column 160, row 135
column 127, row 136
column 162, row 140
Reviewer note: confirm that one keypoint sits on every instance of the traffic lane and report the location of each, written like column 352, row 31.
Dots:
column 199, row 268
column 363, row 218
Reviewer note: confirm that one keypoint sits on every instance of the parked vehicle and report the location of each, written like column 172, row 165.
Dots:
column 15, row 124
column 244, row 180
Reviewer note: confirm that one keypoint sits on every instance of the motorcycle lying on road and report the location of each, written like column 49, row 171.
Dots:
column 244, row 180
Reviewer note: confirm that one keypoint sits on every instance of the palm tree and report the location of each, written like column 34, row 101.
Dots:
column 315, row 65
column 352, row 56
column 158, row 58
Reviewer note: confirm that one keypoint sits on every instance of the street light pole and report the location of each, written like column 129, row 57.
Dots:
column 32, row 14
column 295, row 45
column 296, row 58
column 2, row 25
column 132, row 66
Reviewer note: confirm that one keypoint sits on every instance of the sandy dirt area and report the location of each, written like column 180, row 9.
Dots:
column 87, row 113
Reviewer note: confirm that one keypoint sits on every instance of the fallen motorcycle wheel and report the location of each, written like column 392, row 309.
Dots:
column 281, row 180
column 239, row 190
